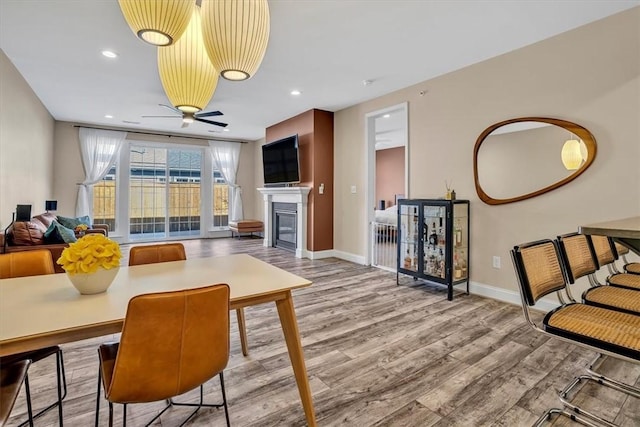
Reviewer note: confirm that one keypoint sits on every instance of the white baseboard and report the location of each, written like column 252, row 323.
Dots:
column 358, row 259
column 509, row 296
column 320, row 254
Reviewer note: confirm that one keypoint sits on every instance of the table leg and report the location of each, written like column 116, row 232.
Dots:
column 242, row 329
column 292, row 337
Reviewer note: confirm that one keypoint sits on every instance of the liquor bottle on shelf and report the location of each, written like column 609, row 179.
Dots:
column 433, row 237
column 458, row 233
column 407, row 260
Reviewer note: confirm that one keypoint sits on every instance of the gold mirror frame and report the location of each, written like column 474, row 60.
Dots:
column 581, row 132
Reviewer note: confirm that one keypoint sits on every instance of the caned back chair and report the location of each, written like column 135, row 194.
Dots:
column 165, row 252
column 171, row 343
column 605, row 256
column 540, row 272
column 579, row 258
column 629, row 267
column 24, row 264
column 11, row 378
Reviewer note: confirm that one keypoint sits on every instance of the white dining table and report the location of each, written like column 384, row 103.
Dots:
column 40, row 311
column 625, row 231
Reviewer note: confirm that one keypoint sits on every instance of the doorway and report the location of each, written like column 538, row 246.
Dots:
column 386, row 135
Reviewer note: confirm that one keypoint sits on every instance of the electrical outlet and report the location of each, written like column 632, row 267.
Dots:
column 353, row 189
column 496, row 262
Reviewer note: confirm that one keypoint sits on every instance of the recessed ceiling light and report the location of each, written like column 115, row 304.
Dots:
column 386, row 116
column 109, row 54
column 226, row 130
column 295, row 92
column 108, row 116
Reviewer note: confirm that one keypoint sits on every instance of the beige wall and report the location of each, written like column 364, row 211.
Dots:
column 26, row 145
column 590, row 76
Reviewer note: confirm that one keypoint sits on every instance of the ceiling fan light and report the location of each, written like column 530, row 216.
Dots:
column 236, row 34
column 571, row 154
column 187, row 76
column 158, row 22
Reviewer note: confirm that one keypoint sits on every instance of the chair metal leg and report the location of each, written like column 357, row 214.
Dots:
column 124, row 415
column 27, row 391
column 110, row 414
column 580, row 411
column 591, row 370
column 224, row 399
column 62, row 392
column 98, row 397
column 562, row 412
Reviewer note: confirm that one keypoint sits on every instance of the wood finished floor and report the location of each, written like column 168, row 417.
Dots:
column 377, row 354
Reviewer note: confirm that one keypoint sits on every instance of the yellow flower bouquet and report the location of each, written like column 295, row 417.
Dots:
column 90, row 253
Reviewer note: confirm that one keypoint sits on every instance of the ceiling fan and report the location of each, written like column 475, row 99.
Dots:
column 188, row 117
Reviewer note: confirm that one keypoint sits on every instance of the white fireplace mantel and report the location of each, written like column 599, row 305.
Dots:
column 297, row 195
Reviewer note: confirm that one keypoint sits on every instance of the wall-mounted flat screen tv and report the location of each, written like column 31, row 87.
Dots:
column 280, row 161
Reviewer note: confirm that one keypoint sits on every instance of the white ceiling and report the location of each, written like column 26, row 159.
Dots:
column 325, row 48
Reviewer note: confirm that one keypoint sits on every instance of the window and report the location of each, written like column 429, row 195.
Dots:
column 104, row 200
column 220, row 200
column 162, row 194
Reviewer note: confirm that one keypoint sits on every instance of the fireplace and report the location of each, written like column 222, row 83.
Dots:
column 290, row 222
column 284, row 225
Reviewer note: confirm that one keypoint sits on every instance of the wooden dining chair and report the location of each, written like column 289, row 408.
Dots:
column 35, row 263
column 11, row 378
column 171, row 343
column 165, row 252
column 540, row 272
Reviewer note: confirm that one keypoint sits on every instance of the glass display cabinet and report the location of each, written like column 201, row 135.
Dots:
column 433, row 241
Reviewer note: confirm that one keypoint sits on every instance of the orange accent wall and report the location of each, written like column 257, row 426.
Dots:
column 389, row 175
column 315, row 140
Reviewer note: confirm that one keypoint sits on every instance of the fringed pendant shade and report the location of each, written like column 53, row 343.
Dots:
column 236, row 33
column 187, row 76
column 158, row 22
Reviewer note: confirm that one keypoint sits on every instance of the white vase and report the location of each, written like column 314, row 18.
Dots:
column 93, row 283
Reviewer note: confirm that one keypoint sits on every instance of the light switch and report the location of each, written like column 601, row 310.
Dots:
column 353, row 189
column 321, row 188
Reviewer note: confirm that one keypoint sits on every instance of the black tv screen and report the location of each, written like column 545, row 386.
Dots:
column 280, row 161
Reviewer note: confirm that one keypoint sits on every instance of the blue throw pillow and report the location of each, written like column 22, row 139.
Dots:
column 72, row 223
column 58, row 233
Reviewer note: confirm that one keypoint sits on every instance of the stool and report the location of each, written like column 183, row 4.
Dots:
column 245, row 226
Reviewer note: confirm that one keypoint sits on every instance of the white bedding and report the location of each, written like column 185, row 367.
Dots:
column 387, row 216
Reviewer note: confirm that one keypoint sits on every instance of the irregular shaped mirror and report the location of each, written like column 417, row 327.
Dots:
column 522, row 158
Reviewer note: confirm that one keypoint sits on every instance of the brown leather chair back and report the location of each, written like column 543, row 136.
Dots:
column 151, row 254
column 171, row 343
column 26, row 263
column 12, row 376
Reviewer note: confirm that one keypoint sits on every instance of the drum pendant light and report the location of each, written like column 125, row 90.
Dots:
column 236, row 33
column 187, row 76
column 158, row 22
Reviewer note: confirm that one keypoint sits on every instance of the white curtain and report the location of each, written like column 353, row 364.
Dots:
column 226, row 157
column 99, row 149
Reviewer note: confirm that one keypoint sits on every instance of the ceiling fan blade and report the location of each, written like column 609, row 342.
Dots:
column 211, row 122
column 209, row 114
column 174, row 109
column 167, row 117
